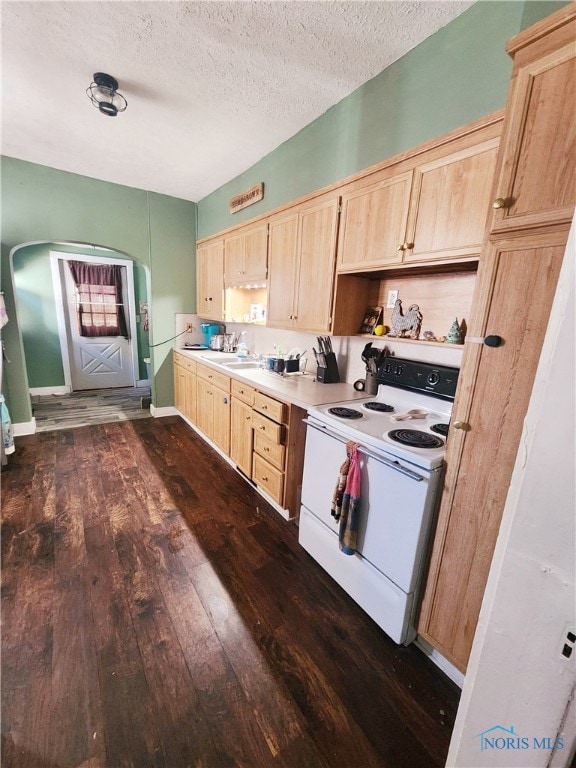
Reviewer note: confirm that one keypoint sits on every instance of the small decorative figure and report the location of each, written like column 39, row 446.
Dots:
column 454, row 336
column 408, row 324
column 429, row 336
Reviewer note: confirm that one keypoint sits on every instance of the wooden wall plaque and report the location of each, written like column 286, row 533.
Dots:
column 244, row 199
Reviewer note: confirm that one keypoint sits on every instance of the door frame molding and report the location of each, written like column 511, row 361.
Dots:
column 56, row 257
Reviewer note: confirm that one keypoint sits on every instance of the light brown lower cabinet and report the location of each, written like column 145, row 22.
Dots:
column 516, row 289
column 241, row 432
column 185, row 386
column 263, row 436
column 213, row 406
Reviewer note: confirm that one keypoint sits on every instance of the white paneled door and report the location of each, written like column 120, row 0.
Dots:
column 101, row 362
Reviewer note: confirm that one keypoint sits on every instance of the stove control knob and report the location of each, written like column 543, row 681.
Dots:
column 433, row 378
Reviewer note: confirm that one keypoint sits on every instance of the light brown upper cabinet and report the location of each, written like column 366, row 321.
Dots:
column 373, row 224
column 302, row 255
column 246, row 256
column 537, row 183
column 210, row 280
column 430, row 208
column 449, row 205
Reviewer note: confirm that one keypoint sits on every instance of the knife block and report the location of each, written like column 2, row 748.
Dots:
column 328, row 374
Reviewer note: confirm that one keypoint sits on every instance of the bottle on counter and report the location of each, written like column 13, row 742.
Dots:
column 242, row 348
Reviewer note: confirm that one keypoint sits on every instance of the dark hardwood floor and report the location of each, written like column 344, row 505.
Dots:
column 157, row 612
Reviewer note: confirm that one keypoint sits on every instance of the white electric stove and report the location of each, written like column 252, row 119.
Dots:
column 401, row 434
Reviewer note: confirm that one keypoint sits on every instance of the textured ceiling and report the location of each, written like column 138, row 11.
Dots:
column 211, row 86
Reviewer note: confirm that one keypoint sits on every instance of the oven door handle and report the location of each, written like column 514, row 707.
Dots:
column 392, row 464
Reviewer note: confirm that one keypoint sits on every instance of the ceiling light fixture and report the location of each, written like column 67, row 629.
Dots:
column 103, row 93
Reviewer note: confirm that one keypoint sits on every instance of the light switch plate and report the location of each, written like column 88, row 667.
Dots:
column 392, row 297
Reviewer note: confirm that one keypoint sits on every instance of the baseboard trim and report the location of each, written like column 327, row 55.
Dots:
column 24, row 428
column 167, row 410
column 436, row 657
column 60, row 390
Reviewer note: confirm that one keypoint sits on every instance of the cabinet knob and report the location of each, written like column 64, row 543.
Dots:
column 408, row 246
column 400, row 247
column 501, row 202
column 460, row 425
column 261, row 427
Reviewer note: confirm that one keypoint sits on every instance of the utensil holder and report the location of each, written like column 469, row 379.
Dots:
column 371, row 385
column 330, row 373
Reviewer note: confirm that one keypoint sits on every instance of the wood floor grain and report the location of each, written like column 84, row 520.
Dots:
column 158, row 613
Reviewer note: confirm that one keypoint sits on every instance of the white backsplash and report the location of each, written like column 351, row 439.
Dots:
column 348, row 349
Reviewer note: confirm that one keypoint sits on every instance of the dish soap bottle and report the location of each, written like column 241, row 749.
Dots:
column 242, row 348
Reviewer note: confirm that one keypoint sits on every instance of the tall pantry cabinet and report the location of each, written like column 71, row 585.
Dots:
column 534, row 201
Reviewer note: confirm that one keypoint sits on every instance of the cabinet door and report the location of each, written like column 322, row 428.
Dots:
column 449, row 206
column 373, row 224
column 180, row 389
column 204, row 407
column 190, row 401
column 316, row 266
column 234, row 259
column 210, row 280
column 537, row 182
column 516, row 286
column 241, row 435
column 221, row 419
column 282, row 271
column 256, row 254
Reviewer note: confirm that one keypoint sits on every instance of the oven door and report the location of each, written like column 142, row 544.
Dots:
column 396, row 509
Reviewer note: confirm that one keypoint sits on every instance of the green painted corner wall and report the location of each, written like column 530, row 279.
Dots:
column 457, row 75
column 44, row 205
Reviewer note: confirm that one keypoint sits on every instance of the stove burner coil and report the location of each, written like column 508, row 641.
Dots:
column 374, row 405
column 441, row 429
column 415, row 438
column 345, row 413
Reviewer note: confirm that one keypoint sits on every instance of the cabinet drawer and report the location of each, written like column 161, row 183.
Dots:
column 269, row 407
column 219, row 380
column 272, row 452
column 243, row 392
column 268, row 478
column 185, row 362
column 269, row 429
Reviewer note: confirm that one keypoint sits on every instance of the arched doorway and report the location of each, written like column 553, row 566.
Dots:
column 40, row 307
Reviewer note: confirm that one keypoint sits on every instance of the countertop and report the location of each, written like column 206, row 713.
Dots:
column 301, row 390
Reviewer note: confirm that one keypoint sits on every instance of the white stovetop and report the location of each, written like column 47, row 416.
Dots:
column 371, row 430
column 298, row 389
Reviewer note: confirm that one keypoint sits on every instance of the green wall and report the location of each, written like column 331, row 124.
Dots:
column 43, row 205
column 457, row 75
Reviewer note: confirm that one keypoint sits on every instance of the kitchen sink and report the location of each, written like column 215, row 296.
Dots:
column 240, row 365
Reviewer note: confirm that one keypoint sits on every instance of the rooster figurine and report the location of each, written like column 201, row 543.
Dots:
column 407, row 325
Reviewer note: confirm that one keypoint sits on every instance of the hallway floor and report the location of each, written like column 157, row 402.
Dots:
column 157, row 612
column 96, row 406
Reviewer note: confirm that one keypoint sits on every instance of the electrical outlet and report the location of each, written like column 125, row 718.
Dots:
column 392, row 298
column 189, row 328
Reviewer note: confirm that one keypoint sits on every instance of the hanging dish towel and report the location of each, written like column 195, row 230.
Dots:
column 350, row 512
column 338, row 495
